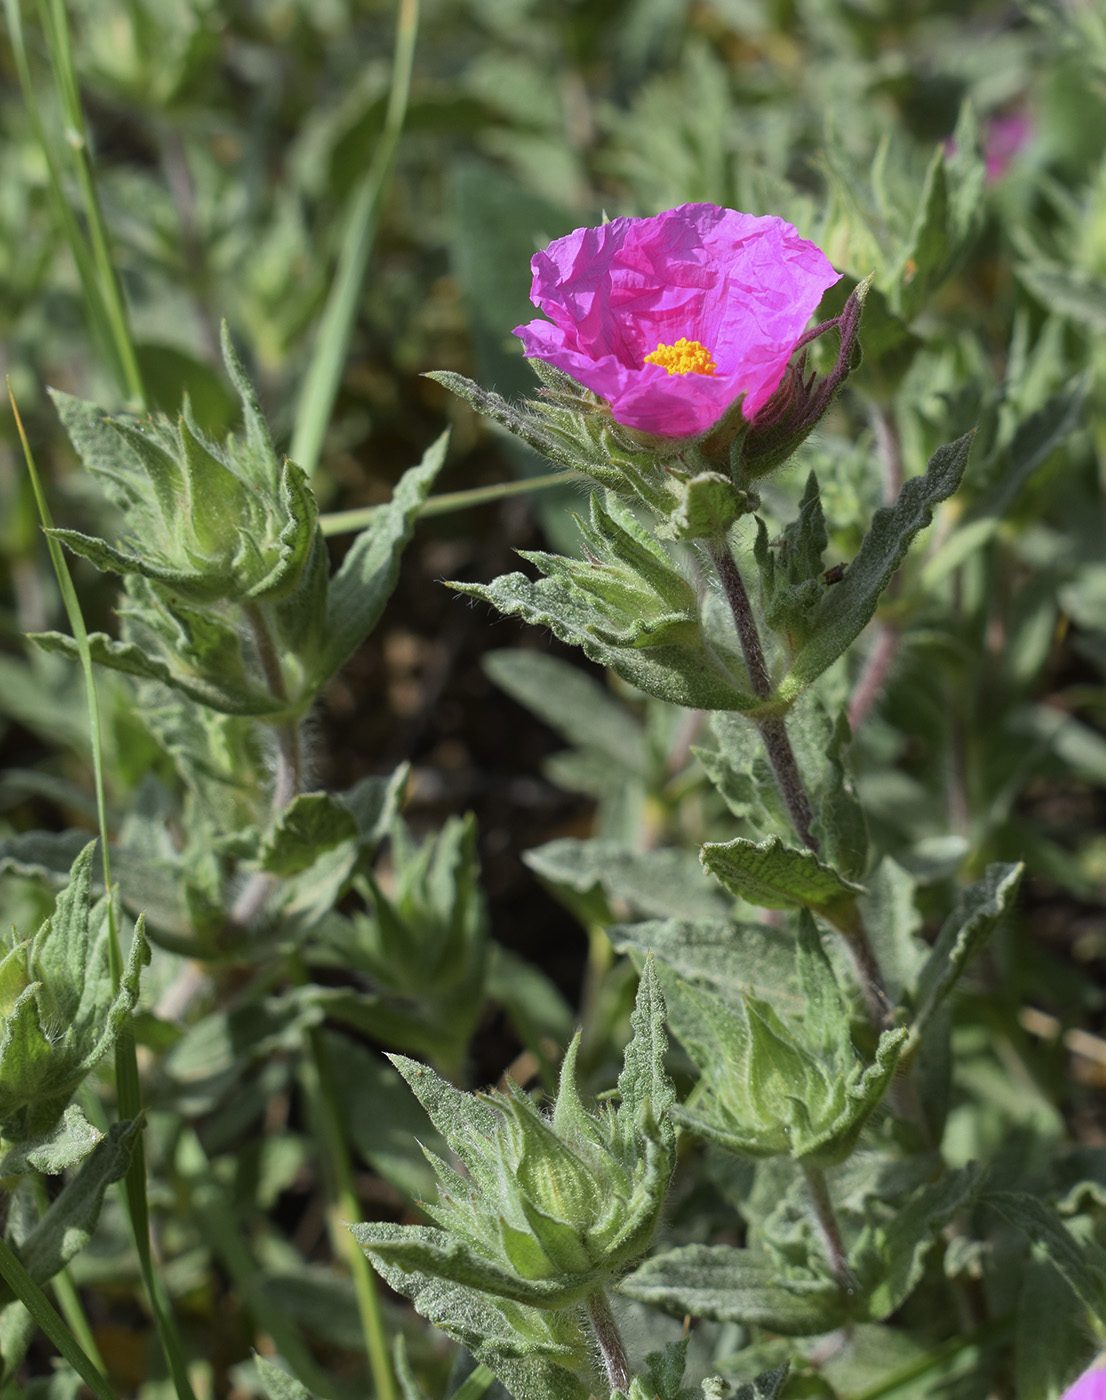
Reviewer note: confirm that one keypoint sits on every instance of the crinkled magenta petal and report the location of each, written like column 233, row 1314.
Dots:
column 744, row 287
column 1090, row 1386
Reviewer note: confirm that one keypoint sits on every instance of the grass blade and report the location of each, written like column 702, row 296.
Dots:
column 38, row 1305
column 320, row 387
column 126, row 1064
column 346, row 522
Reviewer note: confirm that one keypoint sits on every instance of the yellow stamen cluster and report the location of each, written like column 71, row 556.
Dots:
column 685, row 357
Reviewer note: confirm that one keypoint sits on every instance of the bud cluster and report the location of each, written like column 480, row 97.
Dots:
column 776, row 1085
column 547, row 1207
column 58, row 1012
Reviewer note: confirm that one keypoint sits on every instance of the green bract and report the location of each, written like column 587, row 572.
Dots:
column 58, row 1012
column 782, row 1086
column 629, row 607
column 207, row 520
column 228, row 593
column 550, row 1206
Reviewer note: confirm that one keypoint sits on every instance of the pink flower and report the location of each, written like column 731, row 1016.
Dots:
column 1003, row 140
column 671, row 318
column 1090, row 1386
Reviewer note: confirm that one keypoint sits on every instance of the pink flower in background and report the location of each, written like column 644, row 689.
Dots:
column 671, row 318
column 1090, row 1386
column 1002, row 140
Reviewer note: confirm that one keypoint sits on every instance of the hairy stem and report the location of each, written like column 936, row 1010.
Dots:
column 828, row 1227
column 289, row 764
column 772, row 731
column 609, row 1339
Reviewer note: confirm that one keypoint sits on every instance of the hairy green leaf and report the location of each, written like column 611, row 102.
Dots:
column 736, row 1285
column 776, row 876
column 845, row 609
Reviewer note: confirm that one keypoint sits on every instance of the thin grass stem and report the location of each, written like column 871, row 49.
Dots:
column 45, row 1317
column 320, row 387
column 54, row 19
column 345, row 522
column 346, row 1209
column 127, row 1085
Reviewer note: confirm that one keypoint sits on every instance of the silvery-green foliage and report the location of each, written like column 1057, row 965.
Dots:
column 777, row 1084
column 59, row 1012
column 548, row 1208
column 628, row 606
column 422, row 944
column 228, row 595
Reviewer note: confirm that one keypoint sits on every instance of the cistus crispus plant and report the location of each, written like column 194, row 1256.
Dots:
column 691, row 985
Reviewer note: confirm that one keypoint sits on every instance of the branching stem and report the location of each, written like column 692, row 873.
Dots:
column 772, row 731
column 609, row 1339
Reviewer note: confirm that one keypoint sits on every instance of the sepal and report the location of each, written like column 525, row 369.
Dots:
column 628, row 607
column 802, row 400
column 782, row 1085
column 550, row 1206
column 64, row 1017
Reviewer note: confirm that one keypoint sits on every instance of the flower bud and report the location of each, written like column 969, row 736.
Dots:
column 58, row 1014
column 548, row 1207
column 209, row 522
column 782, row 1087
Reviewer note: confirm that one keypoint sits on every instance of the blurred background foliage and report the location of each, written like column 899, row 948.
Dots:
column 954, row 149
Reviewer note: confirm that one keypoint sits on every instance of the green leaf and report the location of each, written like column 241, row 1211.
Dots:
column 628, row 607
column 312, row 824
column 643, row 1084
column 364, row 583
column 1081, row 1263
column 573, row 703
column 661, row 882
column 62, row 946
column 927, row 249
column 893, row 923
column 68, row 1143
column 108, row 559
column 169, row 373
column 890, row 1254
column 455, row 1114
column 424, row 1249
column 977, row 913
column 71, row 1218
column 790, row 571
column 736, row 1285
column 521, row 1345
column 776, row 876
column 1051, row 1345
column 135, row 661
column 666, row 1370
column 845, row 609
column 668, row 657
column 1069, row 291
column 1035, row 439
column 278, row 1384
column 731, row 959
column 766, row 1386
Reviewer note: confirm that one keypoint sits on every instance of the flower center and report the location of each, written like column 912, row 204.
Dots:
column 685, row 357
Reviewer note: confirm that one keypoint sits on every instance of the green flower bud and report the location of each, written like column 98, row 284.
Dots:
column 58, row 1013
column 783, row 1087
column 209, row 522
column 549, row 1206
